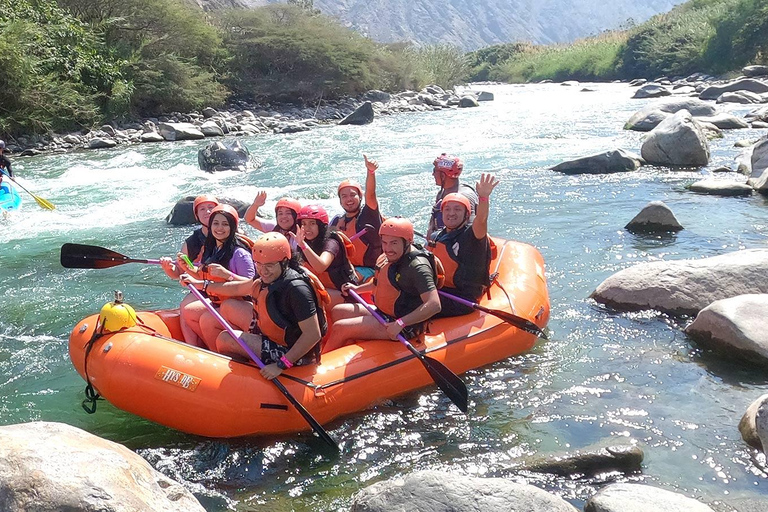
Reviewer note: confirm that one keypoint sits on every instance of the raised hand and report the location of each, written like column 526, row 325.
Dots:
column 260, row 199
column 485, row 186
column 371, row 165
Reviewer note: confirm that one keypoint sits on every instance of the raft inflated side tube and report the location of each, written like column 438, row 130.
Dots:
column 117, row 315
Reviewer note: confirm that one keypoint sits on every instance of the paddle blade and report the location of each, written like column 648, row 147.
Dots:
column 44, row 203
column 450, row 383
column 517, row 321
column 90, row 256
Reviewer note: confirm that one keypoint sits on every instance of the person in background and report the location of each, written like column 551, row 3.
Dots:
column 446, row 171
column 288, row 316
column 224, row 257
column 404, row 292
column 324, row 251
column 286, row 213
column 357, row 215
column 5, row 164
column 464, row 248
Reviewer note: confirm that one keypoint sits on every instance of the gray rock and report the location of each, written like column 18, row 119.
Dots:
column 98, row 143
column 758, row 124
column 746, row 84
column 589, row 462
column 484, row 96
column 151, row 137
column 655, row 217
column 685, row 287
column 637, row 82
column 616, row 160
column 752, row 71
column 724, row 121
column 758, row 114
column 363, row 115
column 211, row 129
column 181, row 214
column 179, row 131
column 291, row 128
column 742, row 97
column 468, row 101
column 108, row 129
column 715, row 187
column 209, row 112
column 377, row 96
column 758, row 163
column 570, row 83
column 735, row 324
column 651, row 90
column 647, row 118
column 747, row 426
column 641, row 498
column 52, row 466
column 678, row 140
column 218, row 156
column 441, row 491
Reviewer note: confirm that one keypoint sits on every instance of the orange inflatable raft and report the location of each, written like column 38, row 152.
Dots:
column 145, row 371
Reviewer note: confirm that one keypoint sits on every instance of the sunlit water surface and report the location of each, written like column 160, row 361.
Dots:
column 602, row 376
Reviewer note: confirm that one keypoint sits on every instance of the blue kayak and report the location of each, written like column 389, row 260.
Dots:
column 10, row 199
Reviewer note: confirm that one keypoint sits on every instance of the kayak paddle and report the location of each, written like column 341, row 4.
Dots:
column 319, row 430
column 44, row 203
column 93, row 256
column 446, row 380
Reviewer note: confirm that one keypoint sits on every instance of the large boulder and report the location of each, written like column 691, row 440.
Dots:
column 468, row 102
column 642, row 498
column 375, row 95
column 651, row 90
column 685, row 287
column 747, row 426
column 47, row 467
column 180, row 131
column 655, row 217
column 647, row 118
column 441, row 491
column 363, row 115
column 752, row 71
column 741, row 97
column 616, row 160
column 758, row 163
column 182, row 213
column 736, row 325
column 746, row 84
column 591, row 461
column 717, row 187
column 678, row 140
column 724, row 121
column 218, row 156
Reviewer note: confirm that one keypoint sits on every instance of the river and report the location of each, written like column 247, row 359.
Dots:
column 603, row 375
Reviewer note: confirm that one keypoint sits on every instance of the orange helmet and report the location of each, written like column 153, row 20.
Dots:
column 271, row 248
column 451, row 166
column 313, row 211
column 228, row 211
column 200, row 200
column 350, row 183
column 456, row 198
column 397, row 226
column 290, row 203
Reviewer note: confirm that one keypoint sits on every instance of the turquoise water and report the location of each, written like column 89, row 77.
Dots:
column 603, row 375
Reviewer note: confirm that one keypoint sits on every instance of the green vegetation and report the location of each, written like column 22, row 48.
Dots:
column 77, row 63
column 712, row 36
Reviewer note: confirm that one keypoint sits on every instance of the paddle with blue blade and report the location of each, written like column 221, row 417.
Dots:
column 446, row 380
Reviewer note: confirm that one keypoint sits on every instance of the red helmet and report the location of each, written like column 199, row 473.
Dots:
column 228, row 211
column 313, row 211
column 350, row 183
column 271, row 248
column 397, row 226
column 456, row 198
column 290, row 203
column 451, row 166
column 200, row 200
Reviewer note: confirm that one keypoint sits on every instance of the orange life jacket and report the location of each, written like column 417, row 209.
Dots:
column 340, row 274
column 388, row 295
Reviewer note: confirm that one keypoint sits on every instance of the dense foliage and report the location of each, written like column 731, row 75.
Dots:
column 713, row 36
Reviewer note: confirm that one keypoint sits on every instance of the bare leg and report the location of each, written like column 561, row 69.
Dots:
column 342, row 311
column 226, row 345
column 347, row 330
column 237, row 312
column 192, row 313
column 190, row 336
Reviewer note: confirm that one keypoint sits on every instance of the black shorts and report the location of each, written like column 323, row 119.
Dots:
column 409, row 331
column 271, row 352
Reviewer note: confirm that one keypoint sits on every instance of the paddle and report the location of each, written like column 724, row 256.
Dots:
column 93, row 256
column 363, row 231
column 44, row 203
column 445, row 379
column 517, row 321
column 319, row 430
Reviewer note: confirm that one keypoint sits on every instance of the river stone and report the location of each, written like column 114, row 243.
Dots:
column 752, row 71
column 441, row 491
column 745, row 84
column 758, row 114
column 637, row 82
column 735, row 324
column 685, row 287
column 468, row 101
column 655, row 217
column 724, row 121
column 484, row 96
column 616, row 160
column 591, row 461
column 47, row 467
column 375, row 95
column 151, row 137
column 715, row 187
column 179, row 131
column 758, row 163
column 741, row 97
column 211, row 129
column 99, row 143
column 678, row 140
column 363, row 115
column 651, row 90
column 641, row 498
column 218, row 156
column 182, row 213
column 747, row 425
column 647, row 118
